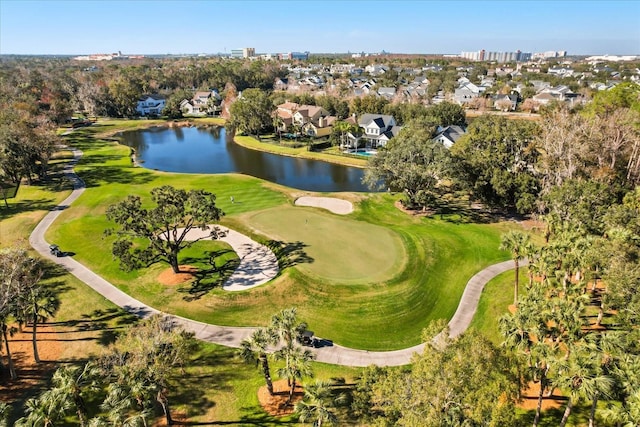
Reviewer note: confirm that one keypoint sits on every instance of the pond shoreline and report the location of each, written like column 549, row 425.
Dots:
column 187, row 147
column 244, row 141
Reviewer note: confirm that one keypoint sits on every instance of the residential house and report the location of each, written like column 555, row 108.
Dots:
column 311, row 120
column 560, row 71
column 387, row 92
column 281, row 84
column 378, row 129
column 560, row 93
column 438, row 97
column 421, row 80
column 539, row 85
column 466, row 92
column 285, row 114
column 376, row 69
column 202, row 103
column 449, row 135
column 150, row 105
column 436, row 68
column 505, row 102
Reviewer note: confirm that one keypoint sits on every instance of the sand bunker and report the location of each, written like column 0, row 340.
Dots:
column 337, row 206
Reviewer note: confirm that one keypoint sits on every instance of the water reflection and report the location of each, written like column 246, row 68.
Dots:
column 209, row 150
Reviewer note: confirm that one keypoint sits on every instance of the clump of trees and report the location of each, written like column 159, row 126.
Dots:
column 23, row 300
column 283, row 332
column 555, row 332
column 414, row 165
column 461, row 381
column 279, row 341
column 130, row 380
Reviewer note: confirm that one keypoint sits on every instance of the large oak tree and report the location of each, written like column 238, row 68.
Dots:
column 413, row 164
column 163, row 228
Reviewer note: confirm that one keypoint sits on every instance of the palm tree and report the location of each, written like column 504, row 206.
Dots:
column 278, row 123
column 297, row 365
column 5, row 409
column 124, row 405
column 254, row 350
column 70, row 385
column 40, row 412
column 516, row 243
column 583, row 377
column 317, row 404
column 42, row 304
column 286, row 326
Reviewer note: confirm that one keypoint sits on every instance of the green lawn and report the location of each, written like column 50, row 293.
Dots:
column 334, row 248
column 327, row 155
column 496, row 297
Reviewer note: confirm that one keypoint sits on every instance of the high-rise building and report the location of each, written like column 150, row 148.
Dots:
column 483, row 55
column 245, row 52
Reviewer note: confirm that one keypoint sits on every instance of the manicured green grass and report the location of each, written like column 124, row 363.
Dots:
column 328, row 156
column 496, row 297
column 338, row 248
column 31, row 204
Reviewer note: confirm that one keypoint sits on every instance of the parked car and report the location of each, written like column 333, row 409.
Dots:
column 55, row 250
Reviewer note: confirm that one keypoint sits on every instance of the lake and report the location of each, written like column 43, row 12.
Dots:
column 211, row 150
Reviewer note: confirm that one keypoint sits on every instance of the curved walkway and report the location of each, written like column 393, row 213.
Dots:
column 258, row 264
column 233, row 336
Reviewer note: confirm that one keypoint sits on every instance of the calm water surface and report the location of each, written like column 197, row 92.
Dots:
column 209, row 150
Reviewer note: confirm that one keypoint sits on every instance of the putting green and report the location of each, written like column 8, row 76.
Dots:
column 339, row 249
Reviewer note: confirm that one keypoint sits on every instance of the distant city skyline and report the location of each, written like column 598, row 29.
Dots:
column 414, row 27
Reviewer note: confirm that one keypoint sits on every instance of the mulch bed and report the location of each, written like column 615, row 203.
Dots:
column 276, row 405
column 30, row 373
column 168, row 277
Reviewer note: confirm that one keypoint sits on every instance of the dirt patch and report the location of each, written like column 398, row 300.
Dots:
column 30, row 374
column 530, row 398
column 413, row 212
column 276, row 405
column 168, row 277
column 532, row 224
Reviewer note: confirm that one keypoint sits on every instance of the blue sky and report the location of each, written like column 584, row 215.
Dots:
column 160, row 27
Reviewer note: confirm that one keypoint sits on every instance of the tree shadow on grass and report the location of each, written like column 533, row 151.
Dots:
column 551, row 417
column 204, row 369
column 461, row 212
column 213, row 276
column 54, row 182
column 289, row 253
column 108, row 323
column 96, row 176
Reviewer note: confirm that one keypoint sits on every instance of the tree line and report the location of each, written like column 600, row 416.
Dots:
column 520, row 165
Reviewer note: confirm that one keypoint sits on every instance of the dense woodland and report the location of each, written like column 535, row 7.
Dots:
column 575, row 326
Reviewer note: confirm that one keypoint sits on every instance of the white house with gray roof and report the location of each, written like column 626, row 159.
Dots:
column 449, row 135
column 378, row 129
column 150, row 105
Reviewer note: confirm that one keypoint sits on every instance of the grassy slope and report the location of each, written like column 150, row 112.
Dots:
column 327, row 156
